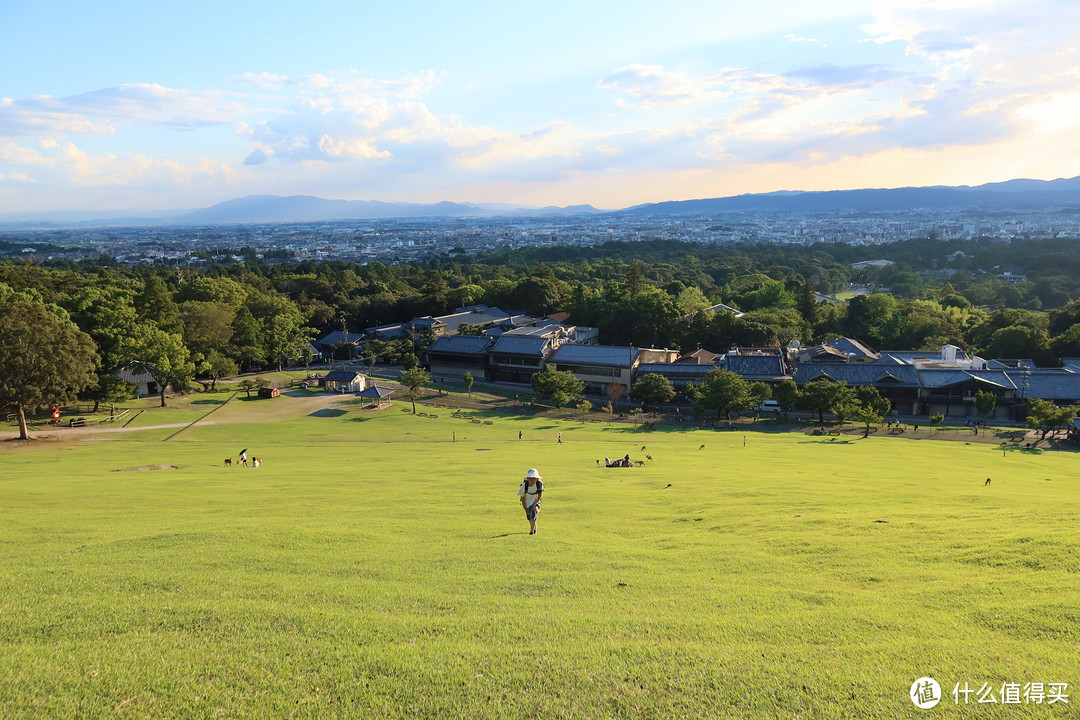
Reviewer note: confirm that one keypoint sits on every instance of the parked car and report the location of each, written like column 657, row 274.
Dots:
column 769, row 406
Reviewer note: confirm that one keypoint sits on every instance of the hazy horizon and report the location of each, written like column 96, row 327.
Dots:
column 610, row 104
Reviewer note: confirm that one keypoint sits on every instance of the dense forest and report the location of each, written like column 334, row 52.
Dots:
column 213, row 321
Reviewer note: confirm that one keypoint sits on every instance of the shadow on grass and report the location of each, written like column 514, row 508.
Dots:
column 327, row 412
column 1024, row 450
column 496, row 537
column 207, row 402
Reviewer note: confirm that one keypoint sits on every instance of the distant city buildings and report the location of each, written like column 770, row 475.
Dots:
column 403, row 240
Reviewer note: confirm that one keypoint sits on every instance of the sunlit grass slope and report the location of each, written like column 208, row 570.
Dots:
column 374, row 567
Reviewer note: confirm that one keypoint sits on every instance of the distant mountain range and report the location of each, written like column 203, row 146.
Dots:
column 1019, row 194
column 294, row 208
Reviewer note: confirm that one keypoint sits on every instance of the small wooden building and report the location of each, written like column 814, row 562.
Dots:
column 344, row 381
column 269, row 392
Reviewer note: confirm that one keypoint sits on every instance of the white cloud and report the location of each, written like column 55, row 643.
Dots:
column 19, row 155
column 653, row 85
column 16, row 177
column 266, row 80
column 100, row 111
column 355, row 149
column 84, row 169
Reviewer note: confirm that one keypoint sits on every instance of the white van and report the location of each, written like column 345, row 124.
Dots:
column 769, row 406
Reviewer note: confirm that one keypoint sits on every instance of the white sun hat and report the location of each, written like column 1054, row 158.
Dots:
column 533, row 473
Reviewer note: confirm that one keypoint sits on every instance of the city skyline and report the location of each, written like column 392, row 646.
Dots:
column 136, row 106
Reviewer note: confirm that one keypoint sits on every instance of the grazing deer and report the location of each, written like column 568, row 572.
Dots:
column 701, row 448
column 228, row 462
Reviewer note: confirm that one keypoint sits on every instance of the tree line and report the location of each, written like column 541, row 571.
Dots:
column 180, row 324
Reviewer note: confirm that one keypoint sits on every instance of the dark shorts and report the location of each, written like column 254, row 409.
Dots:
column 531, row 512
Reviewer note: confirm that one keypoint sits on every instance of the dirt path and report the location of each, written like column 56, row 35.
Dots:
column 293, row 406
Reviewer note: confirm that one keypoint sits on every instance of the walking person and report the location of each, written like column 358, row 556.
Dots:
column 531, row 491
column 243, row 457
column 519, row 436
column 560, row 438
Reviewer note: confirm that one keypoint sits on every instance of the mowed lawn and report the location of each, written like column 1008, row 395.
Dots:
column 375, row 568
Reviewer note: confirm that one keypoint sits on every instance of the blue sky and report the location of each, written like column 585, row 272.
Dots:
column 183, row 104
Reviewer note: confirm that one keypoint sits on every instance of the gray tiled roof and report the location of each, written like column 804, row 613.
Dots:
column 605, row 355
column 422, row 323
column 860, row 374
column 947, row 377
column 333, row 338
column 375, row 391
column 851, row 348
column 130, row 375
column 755, row 366
column 461, row 344
column 520, row 345
column 396, row 330
column 675, row 370
column 342, row 375
column 473, row 314
column 1059, row 385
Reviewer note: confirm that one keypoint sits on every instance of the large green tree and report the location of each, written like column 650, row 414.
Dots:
column 560, row 386
column 985, row 403
column 155, row 305
column 787, row 395
column 44, row 358
column 160, row 353
column 107, row 314
column 723, row 391
column 1046, row 417
column 413, row 380
column 823, row 396
column 214, row 366
column 869, row 407
column 283, row 330
column 652, row 389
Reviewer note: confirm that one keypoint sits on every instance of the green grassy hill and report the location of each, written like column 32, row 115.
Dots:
column 379, row 565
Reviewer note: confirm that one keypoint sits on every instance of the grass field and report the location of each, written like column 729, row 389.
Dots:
column 378, row 565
